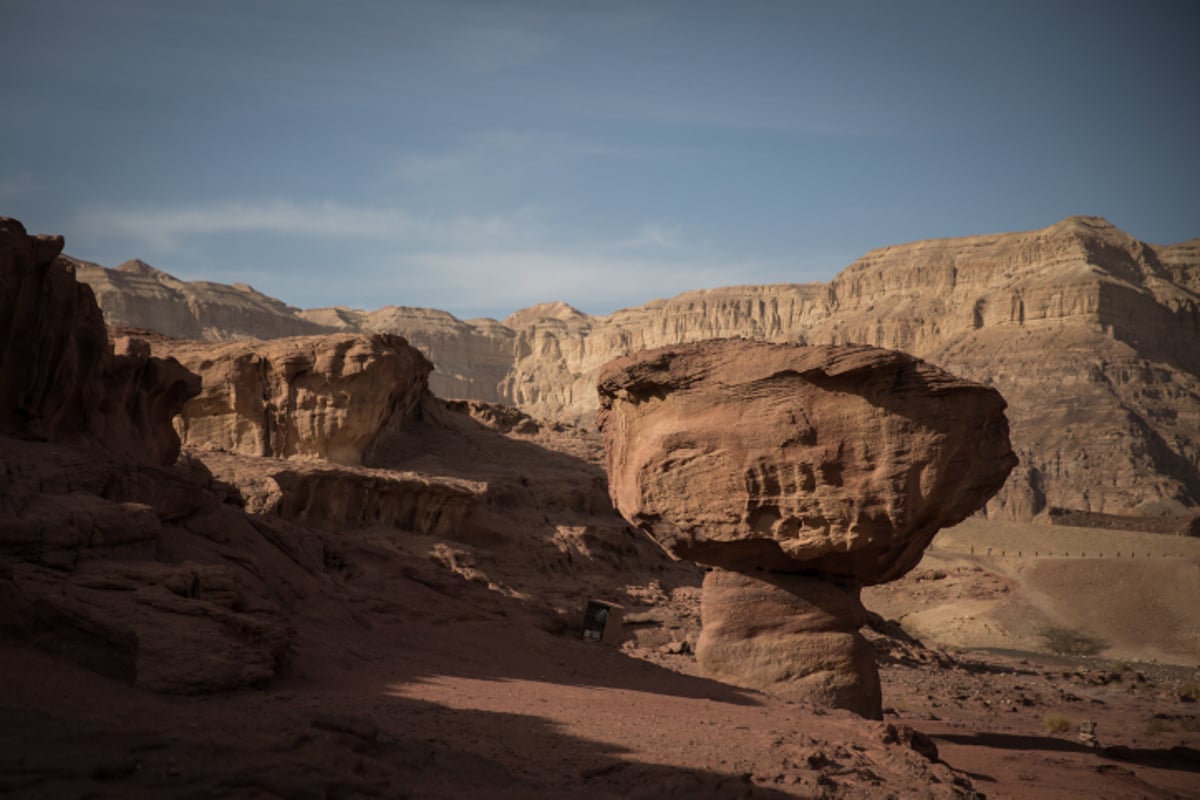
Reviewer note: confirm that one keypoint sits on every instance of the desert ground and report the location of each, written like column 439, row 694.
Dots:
column 437, row 680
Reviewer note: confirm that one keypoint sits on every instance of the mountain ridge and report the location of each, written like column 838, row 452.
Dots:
column 1090, row 334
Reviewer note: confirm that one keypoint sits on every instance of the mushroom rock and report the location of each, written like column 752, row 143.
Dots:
column 800, row 474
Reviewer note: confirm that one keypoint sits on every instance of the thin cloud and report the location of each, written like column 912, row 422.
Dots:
column 477, row 283
column 166, row 229
column 469, row 266
column 653, row 236
column 515, row 153
column 18, row 186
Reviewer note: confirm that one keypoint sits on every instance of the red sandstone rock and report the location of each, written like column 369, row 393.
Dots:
column 836, row 463
column 791, row 636
column 59, row 377
column 838, row 460
column 322, row 397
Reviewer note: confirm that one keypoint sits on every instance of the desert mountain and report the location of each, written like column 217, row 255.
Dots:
column 1090, row 335
column 264, row 617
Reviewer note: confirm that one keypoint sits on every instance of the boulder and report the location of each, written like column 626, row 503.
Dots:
column 802, row 473
column 838, row 460
column 321, row 397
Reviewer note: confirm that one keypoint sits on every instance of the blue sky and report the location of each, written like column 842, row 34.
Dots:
column 483, row 156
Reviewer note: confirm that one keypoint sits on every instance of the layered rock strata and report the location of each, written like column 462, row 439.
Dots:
column 1089, row 333
column 60, row 377
column 135, row 294
column 792, row 636
column 801, row 473
column 106, row 556
column 340, row 498
column 322, row 397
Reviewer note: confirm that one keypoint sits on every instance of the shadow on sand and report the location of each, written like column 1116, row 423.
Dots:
column 1178, row 758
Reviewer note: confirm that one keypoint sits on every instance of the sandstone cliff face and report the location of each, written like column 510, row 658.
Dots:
column 325, row 397
column 97, row 537
column 60, row 378
column 137, row 295
column 473, row 357
column 1092, row 336
column 1086, row 332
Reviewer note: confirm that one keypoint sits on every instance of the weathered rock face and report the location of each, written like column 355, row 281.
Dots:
column 137, row 295
column 840, row 460
column 473, row 356
column 793, row 636
column 802, row 473
column 119, row 567
column 338, row 498
column 322, row 397
column 97, row 539
column 1091, row 335
column 60, row 378
column 142, row 395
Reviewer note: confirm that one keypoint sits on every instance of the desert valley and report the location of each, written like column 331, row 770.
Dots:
column 931, row 529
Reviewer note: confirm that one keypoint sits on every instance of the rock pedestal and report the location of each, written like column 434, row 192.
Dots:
column 791, row 636
column 802, row 473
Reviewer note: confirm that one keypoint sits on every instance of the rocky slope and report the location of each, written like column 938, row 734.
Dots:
column 1090, row 335
column 207, row 574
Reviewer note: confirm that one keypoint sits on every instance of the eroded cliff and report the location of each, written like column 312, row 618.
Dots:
column 324, row 397
column 1089, row 334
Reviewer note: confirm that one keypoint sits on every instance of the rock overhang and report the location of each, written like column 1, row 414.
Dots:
column 840, row 460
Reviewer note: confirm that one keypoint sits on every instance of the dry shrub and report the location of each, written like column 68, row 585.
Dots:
column 1057, row 723
column 1157, row 727
column 1067, row 642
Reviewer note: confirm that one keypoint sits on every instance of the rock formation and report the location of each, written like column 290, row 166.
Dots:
column 98, row 553
column 1090, row 334
column 325, row 397
column 801, row 473
column 336, row 498
column 137, row 295
column 60, row 378
column 473, row 357
column 188, row 576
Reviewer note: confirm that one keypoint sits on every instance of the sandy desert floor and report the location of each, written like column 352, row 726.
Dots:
column 434, row 669
column 998, row 584
column 450, row 690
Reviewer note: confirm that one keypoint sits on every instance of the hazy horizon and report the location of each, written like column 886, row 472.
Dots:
column 484, row 157
column 502, row 315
